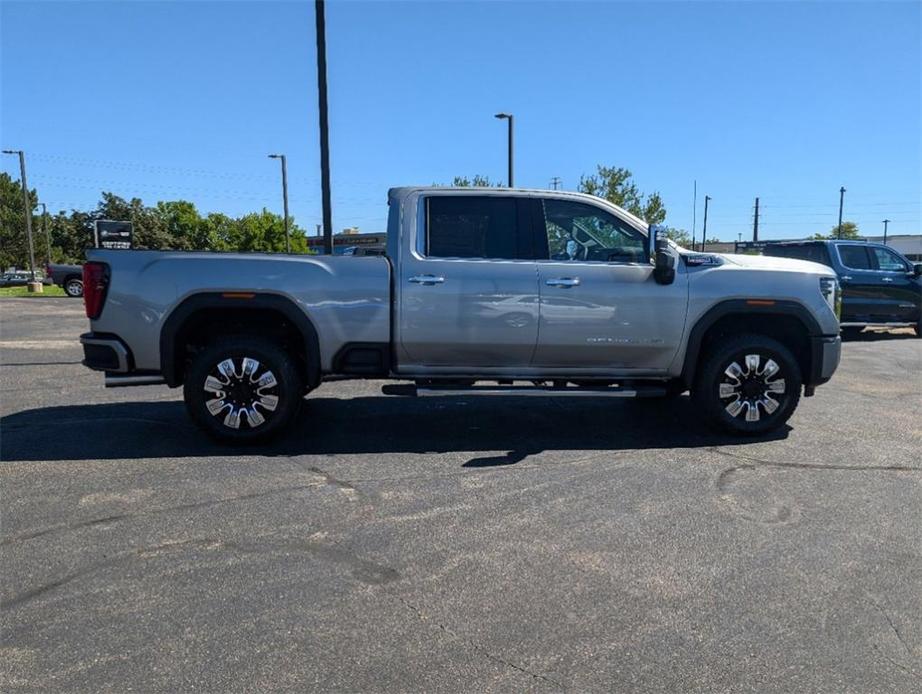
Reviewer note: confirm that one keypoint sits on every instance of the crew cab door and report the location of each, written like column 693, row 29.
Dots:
column 468, row 293
column 866, row 297
column 601, row 308
column 900, row 289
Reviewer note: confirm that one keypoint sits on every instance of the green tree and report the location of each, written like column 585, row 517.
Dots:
column 14, row 247
column 617, row 185
column 477, row 181
column 849, row 231
column 680, row 236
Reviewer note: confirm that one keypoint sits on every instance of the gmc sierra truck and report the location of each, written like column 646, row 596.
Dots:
column 479, row 292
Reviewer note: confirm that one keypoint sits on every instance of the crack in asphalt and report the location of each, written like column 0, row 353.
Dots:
column 476, row 646
column 363, row 570
column 64, row 527
column 902, row 667
column 892, row 626
column 811, row 466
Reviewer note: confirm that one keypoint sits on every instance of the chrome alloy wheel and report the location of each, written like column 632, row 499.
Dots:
column 751, row 387
column 250, row 393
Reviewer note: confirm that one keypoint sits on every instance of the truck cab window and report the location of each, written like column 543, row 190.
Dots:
column 467, row 226
column 855, row 257
column 888, row 260
column 576, row 231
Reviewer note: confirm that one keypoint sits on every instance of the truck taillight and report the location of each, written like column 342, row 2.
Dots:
column 95, row 284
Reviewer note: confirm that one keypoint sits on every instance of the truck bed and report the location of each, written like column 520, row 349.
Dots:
column 347, row 299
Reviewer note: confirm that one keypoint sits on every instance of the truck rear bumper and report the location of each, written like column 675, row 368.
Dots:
column 105, row 352
column 826, row 352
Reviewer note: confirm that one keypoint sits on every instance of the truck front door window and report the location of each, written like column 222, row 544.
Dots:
column 576, row 231
column 888, row 260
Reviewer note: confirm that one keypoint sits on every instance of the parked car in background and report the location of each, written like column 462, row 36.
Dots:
column 68, row 277
column 565, row 293
column 18, row 278
column 364, row 250
column 880, row 287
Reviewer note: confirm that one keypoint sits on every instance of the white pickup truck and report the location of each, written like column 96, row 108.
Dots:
column 481, row 292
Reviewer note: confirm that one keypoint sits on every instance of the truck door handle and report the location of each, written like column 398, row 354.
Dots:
column 563, row 282
column 887, row 279
column 426, row 279
column 846, row 278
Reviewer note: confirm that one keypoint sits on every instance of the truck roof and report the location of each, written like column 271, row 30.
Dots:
column 402, row 191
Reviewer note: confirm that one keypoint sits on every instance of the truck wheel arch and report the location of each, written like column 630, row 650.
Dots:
column 249, row 307
column 762, row 316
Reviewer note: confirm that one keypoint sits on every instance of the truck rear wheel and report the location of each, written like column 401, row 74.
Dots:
column 749, row 385
column 243, row 389
column 73, row 287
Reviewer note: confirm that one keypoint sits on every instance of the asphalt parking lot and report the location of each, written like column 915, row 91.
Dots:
column 455, row 545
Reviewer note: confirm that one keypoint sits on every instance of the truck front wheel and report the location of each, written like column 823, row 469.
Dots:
column 243, row 389
column 749, row 385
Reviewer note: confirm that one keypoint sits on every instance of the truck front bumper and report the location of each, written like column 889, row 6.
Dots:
column 826, row 350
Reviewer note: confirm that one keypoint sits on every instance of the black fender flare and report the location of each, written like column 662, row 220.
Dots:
column 741, row 306
column 243, row 301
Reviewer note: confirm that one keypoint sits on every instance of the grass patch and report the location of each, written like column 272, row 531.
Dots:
column 47, row 290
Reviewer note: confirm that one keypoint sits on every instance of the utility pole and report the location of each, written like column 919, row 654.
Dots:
column 555, row 182
column 509, row 117
column 841, row 202
column 755, row 223
column 694, row 212
column 704, row 231
column 27, row 207
column 324, row 127
column 886, row 222
column 284, row 196
column 45, row 230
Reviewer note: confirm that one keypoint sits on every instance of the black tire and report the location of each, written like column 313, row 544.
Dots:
column 244, row 401
column 754, row 389
column 73, row 287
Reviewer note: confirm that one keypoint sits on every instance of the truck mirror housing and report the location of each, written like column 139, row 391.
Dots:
column 917, row 270
column 663, row 259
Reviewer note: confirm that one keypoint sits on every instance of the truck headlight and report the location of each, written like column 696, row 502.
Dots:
column 829, row 288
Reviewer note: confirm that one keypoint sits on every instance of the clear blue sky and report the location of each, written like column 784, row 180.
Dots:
column 168, row 100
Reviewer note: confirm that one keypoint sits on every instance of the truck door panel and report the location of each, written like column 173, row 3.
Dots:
column 899, row 289
column 600, row 305
column 469, row 290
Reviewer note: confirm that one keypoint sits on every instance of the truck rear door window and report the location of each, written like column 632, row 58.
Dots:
column 855, row 257
column 469, row 226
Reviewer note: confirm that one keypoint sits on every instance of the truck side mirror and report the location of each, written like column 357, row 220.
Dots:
column 663, row 259
column 917, row 270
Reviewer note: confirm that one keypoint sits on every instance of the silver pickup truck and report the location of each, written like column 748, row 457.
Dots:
column 480, row 292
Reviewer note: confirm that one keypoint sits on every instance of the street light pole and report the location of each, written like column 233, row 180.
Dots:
column 510, row 118
column 704, row 232
column 886, row 222
column 27, row 206
column 841, row 203
column 324, row 126
column 45, row 230
column 284, row 196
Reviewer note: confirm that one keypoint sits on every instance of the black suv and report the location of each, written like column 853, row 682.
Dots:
column 879, row 286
